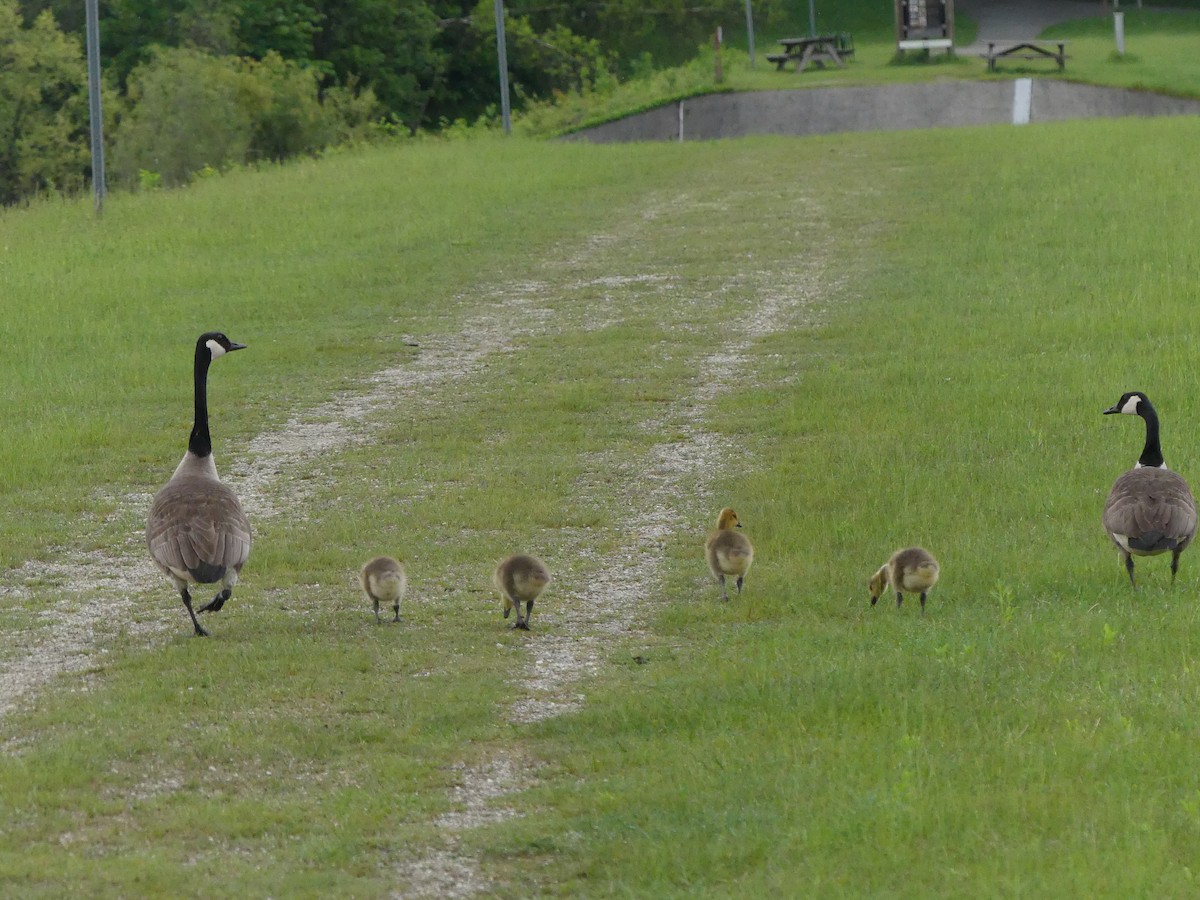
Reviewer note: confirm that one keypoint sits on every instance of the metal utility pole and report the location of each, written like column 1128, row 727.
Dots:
column 502, row 53
column 94, row 111
column 750, row 31
column 812, row 18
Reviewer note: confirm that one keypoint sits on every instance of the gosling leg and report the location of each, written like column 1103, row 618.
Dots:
column 724, row 593
column 922, row 603
column 378, row 621
column 899, row 599
column 396, row 610
column 739, row 585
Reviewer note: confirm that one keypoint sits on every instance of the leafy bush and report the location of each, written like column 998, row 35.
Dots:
column 188, row 110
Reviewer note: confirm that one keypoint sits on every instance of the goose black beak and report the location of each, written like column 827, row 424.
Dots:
column 1111, row 410
column 234, row 345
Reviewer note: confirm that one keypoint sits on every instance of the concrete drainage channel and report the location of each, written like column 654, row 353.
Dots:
column 885, row 108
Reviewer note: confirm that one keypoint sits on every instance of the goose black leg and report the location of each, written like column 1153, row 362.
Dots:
column 922, row 603
column 1174, row 563
column 217, row 602
column 187, row 602
column 899, row 599
column 1129, row 569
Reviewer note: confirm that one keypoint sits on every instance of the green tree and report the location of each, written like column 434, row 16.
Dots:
column 44, row 138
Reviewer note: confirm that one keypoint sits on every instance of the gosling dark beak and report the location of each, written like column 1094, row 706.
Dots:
column 1111, row 410
column 739, row 524
column 233, row 345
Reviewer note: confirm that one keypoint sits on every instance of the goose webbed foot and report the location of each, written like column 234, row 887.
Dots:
column 396, row 609
column 217, row 602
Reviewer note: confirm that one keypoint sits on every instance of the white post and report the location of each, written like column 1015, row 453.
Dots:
column 1119, row 31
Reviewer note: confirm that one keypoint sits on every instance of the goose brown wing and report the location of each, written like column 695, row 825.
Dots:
column 1151, row 504
column 197, row 524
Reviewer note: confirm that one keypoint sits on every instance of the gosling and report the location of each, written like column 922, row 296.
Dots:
column 913, row 570
column 729, row 552
column 521, row 579
column 383, row 581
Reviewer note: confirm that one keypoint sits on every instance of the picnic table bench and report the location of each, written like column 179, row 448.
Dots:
column 1026, row 50
column 823, row 48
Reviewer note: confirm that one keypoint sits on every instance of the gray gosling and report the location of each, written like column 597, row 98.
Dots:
column 729, row 552
column 1150, row 509
column 196, row 530
column 383, row 581
column 913, row 570
column 521, row 579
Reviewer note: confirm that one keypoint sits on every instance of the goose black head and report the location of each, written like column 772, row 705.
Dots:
column 1132, row 403
column 215, row 344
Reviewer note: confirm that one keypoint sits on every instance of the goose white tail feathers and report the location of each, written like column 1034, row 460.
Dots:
column 1150, row 509
column 729, row 552
column 196, row 530
column 384, row 581
column 912, row 570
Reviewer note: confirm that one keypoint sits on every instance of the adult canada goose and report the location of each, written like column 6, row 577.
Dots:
column 729, row 552
column 196, row 530
column 1150, row 509
column 383, row 581
column 913, row 570
column 520, row 579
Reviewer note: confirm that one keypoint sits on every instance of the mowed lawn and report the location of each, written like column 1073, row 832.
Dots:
column 859, row 342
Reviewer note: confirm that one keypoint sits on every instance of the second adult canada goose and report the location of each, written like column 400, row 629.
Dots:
column 520, row 579
column 1150, row 509
column 196, row 530
column 728, row 552
column 383, row 581
column 913, row 570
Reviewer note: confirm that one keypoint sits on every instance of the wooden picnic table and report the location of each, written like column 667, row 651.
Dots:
column 823, row 48
column 1026, row 50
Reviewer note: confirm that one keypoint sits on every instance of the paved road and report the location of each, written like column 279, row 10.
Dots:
column 1020, row 20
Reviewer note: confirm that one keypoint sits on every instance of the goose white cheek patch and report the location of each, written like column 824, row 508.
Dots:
column 217, row 350
column 1130, row 408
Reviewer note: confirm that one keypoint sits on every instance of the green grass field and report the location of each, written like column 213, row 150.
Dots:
column 612, row 343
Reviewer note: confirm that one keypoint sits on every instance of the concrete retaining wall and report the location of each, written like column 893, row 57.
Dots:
column 882, row 108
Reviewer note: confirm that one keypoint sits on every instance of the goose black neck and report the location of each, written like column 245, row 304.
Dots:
column 1152, row 453
column 200, row 443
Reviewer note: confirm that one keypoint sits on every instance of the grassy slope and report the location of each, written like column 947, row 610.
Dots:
column 1030, row 735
